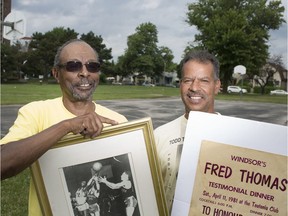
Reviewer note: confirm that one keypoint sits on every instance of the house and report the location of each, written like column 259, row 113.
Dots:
column 168, row 78
column 275, row 74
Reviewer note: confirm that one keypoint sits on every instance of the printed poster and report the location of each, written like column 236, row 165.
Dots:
column 239, row 181
column 232, row 166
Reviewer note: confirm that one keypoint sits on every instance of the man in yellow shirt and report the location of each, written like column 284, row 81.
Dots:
column 40, row 125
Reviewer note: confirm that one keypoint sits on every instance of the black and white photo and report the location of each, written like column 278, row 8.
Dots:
column 115, row 174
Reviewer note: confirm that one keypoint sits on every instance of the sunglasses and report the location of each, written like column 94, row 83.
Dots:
column 76, row 66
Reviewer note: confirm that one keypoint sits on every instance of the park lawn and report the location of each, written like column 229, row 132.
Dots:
column 25, row 93
column 14, row 194
column 279, row 99
column 14, row 191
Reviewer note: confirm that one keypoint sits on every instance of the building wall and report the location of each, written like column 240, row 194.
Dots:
column 5, row 10
column 168, row 78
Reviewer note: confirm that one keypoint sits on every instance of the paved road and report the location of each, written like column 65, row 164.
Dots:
column 166, row 109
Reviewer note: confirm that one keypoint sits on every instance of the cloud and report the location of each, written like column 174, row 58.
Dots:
column 115, row 20
column 278, row 43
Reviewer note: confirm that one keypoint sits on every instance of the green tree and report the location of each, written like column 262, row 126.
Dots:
column 122, row 68
column 11, row 61
column 235, row 31
column 40, row 56
column 142, row 47
column 142, row 55
column 105, row 54
column 167, row 56
column 42, row 49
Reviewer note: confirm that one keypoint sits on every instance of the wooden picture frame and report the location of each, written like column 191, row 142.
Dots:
column 127, row 147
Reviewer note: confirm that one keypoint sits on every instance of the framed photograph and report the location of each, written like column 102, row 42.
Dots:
column 116, row 173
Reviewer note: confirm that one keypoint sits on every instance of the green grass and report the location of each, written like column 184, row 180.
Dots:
column 279, row 99
column 14, row 195
column 14, row 191
column 24, row 93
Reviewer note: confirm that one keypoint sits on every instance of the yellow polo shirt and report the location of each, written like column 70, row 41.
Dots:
column 40, row 115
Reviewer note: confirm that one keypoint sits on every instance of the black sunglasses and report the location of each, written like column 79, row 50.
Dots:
column 76, row 66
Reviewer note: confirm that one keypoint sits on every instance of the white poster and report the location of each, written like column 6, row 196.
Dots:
column 232, row 166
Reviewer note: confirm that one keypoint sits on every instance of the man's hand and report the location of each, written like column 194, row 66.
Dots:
column 102, row 179
column 89, row 125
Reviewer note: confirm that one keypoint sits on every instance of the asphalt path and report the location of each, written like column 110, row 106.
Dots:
column 166, row 109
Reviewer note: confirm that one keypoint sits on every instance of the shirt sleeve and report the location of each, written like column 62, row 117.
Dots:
column 25, row 125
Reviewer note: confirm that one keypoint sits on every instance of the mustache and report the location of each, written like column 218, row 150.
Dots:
column 195, row 94
column 85, row 81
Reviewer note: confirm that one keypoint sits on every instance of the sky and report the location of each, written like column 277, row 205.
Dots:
column 115, row 20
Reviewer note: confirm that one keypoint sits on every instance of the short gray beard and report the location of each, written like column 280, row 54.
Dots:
column 83, row 97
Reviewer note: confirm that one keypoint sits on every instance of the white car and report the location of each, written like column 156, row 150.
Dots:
column 236, row 89
column 148, row 84
column 278, row 92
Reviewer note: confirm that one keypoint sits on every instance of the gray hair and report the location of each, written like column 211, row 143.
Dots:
column 202, row 56
column 60, row 49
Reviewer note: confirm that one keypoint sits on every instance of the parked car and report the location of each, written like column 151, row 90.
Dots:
column 127, row 83
column 148, row 84
column 278, row 92
column 170, row 85
column 236, row 89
